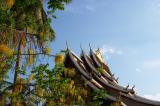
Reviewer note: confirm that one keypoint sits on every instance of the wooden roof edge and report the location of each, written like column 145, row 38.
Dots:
column 89, row 64
column 109, row 85
column 77, row 66
column 92, row 86
column 137, row 98
column 153, row 101
column 98, row 62
column 142, row 99
column 120, row 87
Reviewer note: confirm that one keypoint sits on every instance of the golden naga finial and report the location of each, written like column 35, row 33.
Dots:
column 99, row 55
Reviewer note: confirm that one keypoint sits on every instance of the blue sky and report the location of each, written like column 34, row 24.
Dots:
column 126, row 31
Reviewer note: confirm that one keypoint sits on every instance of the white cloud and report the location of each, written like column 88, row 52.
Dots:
column 153, row 97
column 90, row 8
column 151, row 65
column 105, row 49
column 155, row 6
column 119, row 52
column 81, row 7
column 138, row 70
column 73, row 9
column 77, row 8
column 109, row 51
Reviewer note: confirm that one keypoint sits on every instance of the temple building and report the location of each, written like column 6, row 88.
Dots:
column 86, row 67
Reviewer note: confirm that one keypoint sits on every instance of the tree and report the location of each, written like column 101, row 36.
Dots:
column 25, row 31
column 25, row 27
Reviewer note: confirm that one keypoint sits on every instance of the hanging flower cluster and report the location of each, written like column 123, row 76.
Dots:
column 4, row 49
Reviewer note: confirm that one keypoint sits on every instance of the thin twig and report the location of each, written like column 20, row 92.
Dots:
column 37, row 54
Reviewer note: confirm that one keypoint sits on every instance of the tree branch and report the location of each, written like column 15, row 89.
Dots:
column 37, row 54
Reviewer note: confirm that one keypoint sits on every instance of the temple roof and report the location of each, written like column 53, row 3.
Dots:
column 86, row 66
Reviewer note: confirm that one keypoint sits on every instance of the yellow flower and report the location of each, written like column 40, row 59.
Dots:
column 23, row 41
column 14, row 100
column 18, row 103
column 23, row 81
column 2, row 102
column 6, row 50
column 61, row 99
column 58, row 77
column 10, row 3
column 45, row 93
column 78, row 98
column 72, row 82
column 39, row 92
column 47, row 50
column 116, row 103
column 30, row 51
column 41, row 35
column 18, row 78
column 30, row 77
column 70, row 87
column 58, row 58
column 2, row 65
column 83, row 92
column 30, row 58
column 69, row 72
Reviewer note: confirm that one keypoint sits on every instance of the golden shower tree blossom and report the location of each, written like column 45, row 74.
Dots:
column 59, row 58
column 4, row 49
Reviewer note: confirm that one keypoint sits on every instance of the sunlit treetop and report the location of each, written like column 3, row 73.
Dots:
column 25, row 28
column 29, row 16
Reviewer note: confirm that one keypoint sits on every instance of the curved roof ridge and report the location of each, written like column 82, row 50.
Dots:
column 125, row 94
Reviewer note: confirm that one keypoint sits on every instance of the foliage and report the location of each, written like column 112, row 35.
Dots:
column 57, row 4
column 6, row 50
column 57, row 88
column 117, row 102
column 6, row 60
column 100, row 69
column 5, row 64
column 25, row 32
column 25, row 27
column 54, row 87
column 98, row 97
